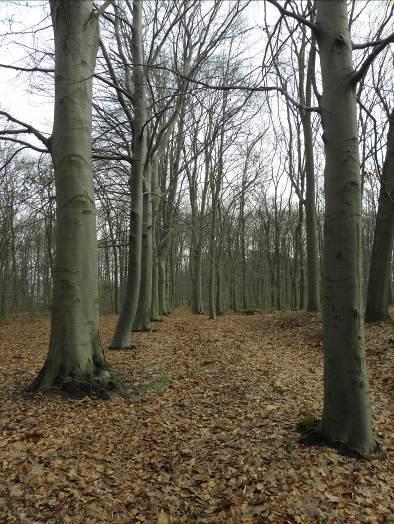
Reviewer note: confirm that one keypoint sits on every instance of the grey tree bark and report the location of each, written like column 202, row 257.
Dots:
column 155, row 313
column 347, row 412
column 312, row 265
column 379, row 281
column 121, row 338
column 75, row 353
column 143, row 315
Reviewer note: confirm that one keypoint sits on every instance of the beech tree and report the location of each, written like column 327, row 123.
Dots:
column 75, row 353
column 347, row 411
column 121, row 338
column 346, row 417
column 379, row 280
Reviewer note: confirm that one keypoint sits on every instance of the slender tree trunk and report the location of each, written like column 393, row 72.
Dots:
column 162, row 263
column 312, row 259
column 75, row 353
column 196, row 281
column 347, row 411
column 155, row 313
column 302, row 257
column 116, row 278
column 171, row 280
column 243, row 239
column 219, row 291
column 115, row 269
column 219, row 283
column 142, row 320
column 15, row 301
column 106, row 282
column 295, row 272
column 212, row 267
column 126, row 318
column 379, row 282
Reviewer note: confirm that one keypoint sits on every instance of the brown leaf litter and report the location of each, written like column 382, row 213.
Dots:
column 213, row 438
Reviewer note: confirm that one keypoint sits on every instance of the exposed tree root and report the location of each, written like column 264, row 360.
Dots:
column 131, row 347
column 99, row 383
column 314, row 437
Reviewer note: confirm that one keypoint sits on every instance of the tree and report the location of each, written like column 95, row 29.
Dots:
column 121, row 338
column 347, row 412
column 75, row 353
column 380, row 269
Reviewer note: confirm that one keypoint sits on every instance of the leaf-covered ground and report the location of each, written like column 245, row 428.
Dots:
column 213, row 438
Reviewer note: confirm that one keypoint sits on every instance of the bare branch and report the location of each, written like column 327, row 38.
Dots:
column 362, row 70
column 103, row 7
column 297, row 17
column 28, row 129
column 23, row 143
column 367, row 44
column 27, row 69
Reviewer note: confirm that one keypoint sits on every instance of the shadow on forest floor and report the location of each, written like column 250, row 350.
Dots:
column 212, row 439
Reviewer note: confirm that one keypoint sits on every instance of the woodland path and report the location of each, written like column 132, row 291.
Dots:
column 218, row 444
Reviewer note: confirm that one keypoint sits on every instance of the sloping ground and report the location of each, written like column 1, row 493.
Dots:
column 219, row 444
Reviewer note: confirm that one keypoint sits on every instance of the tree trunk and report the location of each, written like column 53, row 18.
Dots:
column 75, row 354
column 196, row 279
column 243, row 239
column 301, row 257
column 155, row 313
column 212, row 260
column 142, row 320
column 379, row 282
column 312, row 259
column 124, row 326
column 347, row 411
column 163, row 307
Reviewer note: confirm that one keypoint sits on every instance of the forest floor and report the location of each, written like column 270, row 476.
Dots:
column 213, row 438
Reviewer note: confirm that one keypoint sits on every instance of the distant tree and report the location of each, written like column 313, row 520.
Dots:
column 380, row 269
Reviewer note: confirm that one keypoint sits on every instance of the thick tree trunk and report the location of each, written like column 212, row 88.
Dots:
column 347, row 411
column 75, row 354
column 379, row 282
column 121, row 339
